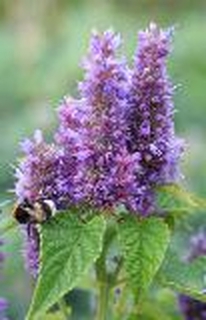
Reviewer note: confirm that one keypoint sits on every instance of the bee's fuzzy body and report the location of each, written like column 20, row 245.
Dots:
column 38, row 212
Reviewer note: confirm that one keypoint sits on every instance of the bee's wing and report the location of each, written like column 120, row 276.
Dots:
column 7, row 222
column 6, row 226
column 4, row 204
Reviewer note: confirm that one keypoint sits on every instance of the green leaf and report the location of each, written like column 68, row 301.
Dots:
column 184, row 277
column 68, row 249
column 56, row 315
column 7, row 221
column 174, row 199
column 144, row 243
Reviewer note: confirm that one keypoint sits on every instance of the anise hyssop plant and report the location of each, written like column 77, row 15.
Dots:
column 104, row 195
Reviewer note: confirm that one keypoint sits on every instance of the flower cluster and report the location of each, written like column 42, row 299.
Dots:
column 116, row 142
column 192, row 308
column 3, row 302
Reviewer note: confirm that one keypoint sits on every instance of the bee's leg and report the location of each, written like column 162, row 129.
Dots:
column 29, row 229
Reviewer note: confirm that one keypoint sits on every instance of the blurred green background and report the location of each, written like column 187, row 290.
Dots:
column 41, row 47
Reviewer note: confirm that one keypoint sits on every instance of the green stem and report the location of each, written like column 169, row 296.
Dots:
column 103, row 305
column 64, row 308
column 103, row 277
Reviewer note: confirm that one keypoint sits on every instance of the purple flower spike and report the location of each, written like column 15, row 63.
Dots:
column 104, row 90
column 37, row 175
column 150, row 117
column 107, row 167
column 37, row 171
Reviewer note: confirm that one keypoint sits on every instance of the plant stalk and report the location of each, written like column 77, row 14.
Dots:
column 103, row 305
column 103, row 277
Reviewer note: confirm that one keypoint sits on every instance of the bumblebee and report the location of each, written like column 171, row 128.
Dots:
column 36, row 213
